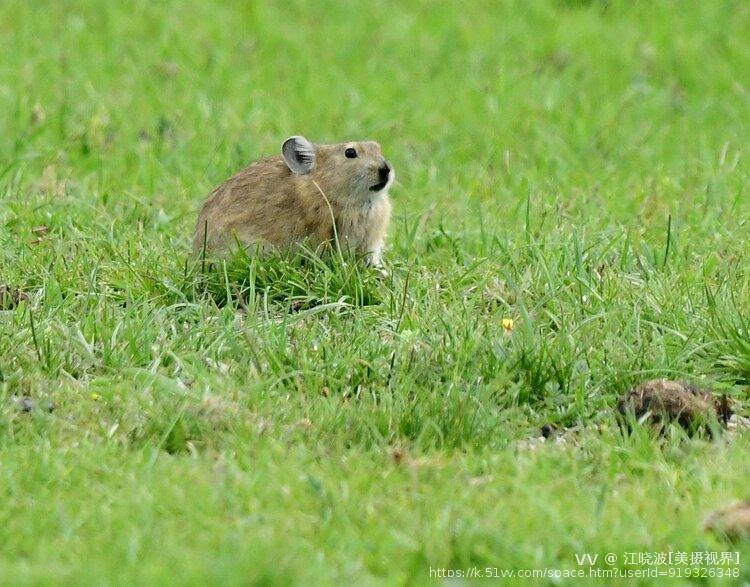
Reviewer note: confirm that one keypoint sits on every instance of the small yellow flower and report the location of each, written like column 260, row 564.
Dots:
column 508, row 324
column 96, row 397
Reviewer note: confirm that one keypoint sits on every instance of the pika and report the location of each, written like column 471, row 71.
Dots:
column 308, row 195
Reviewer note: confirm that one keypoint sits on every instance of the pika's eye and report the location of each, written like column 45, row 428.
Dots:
column 350, row 153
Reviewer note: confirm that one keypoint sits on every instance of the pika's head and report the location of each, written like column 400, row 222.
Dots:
column 344, row 170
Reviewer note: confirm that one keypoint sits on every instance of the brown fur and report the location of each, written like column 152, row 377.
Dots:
column 268, row 206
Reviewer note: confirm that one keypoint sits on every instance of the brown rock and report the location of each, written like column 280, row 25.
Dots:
column 732, row 521
column 662, row 400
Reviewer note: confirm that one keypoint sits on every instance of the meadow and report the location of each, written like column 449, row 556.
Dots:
column 571, row 218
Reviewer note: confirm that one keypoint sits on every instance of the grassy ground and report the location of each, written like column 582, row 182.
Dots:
column 580, row 168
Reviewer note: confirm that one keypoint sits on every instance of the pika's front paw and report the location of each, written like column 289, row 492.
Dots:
column 375, row 263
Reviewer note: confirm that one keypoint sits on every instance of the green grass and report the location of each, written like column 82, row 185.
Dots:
column 580, row 167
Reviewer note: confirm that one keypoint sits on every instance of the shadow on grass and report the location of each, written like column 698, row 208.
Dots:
column 293, row 282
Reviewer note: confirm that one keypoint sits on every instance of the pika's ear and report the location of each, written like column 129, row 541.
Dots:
column 299, row 155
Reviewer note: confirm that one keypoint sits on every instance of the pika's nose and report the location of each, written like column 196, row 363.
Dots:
column 384, row 172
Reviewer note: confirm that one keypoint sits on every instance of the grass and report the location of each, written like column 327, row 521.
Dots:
column 580, row 168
